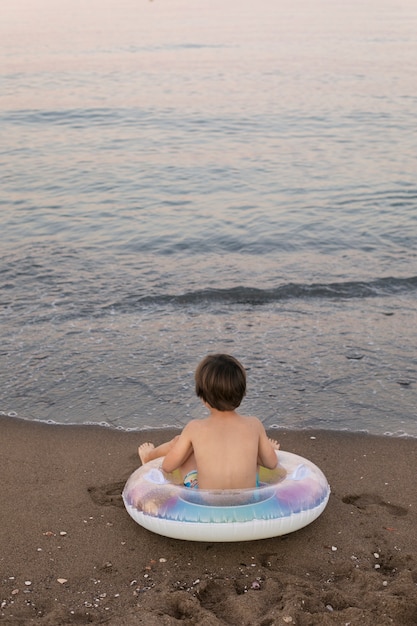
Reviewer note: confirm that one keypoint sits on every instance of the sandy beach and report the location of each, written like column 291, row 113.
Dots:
column 70, row 554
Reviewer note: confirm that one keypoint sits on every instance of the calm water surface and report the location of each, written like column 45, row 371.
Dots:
column 187, row 177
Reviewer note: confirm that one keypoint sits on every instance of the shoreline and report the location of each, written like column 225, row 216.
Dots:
column 70, row 553
column 169, row 429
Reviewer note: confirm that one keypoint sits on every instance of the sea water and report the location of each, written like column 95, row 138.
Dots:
column 185, row 177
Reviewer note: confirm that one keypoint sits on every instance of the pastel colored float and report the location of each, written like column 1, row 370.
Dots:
column 289, row 498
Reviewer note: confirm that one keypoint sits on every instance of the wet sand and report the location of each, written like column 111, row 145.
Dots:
column 70, row 554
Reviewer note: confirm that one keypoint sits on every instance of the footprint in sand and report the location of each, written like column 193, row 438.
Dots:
column 107, row 495
column 363, row 501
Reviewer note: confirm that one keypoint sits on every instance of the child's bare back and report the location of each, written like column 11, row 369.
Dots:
column 227, row 449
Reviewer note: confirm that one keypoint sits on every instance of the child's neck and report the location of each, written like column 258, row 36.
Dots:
column 221, row 414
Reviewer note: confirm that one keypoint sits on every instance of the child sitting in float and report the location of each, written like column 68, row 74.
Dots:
column 225, row 449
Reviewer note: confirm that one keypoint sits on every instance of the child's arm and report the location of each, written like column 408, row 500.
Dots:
column 179, row 452
column 266, row 450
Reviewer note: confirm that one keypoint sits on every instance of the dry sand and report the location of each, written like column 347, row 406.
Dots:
column 70, row 554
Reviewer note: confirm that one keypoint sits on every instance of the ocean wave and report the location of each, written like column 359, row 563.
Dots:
column 291, row 291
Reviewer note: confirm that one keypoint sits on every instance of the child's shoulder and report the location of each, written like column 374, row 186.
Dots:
column 252, row 418
column 193, row 425
column 255, row 423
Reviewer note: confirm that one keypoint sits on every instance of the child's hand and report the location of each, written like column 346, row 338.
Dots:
column 274, row 443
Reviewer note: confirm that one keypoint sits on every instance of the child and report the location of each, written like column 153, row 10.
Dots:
column 223, row 450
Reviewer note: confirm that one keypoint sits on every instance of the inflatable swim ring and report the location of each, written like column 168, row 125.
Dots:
column 290, row 497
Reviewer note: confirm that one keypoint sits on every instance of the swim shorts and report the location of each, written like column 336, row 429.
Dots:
column 191, row 479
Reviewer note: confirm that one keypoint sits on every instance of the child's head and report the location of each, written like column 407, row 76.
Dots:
column 220, row 380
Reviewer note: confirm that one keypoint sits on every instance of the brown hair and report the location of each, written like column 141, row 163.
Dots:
column 220, row 380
